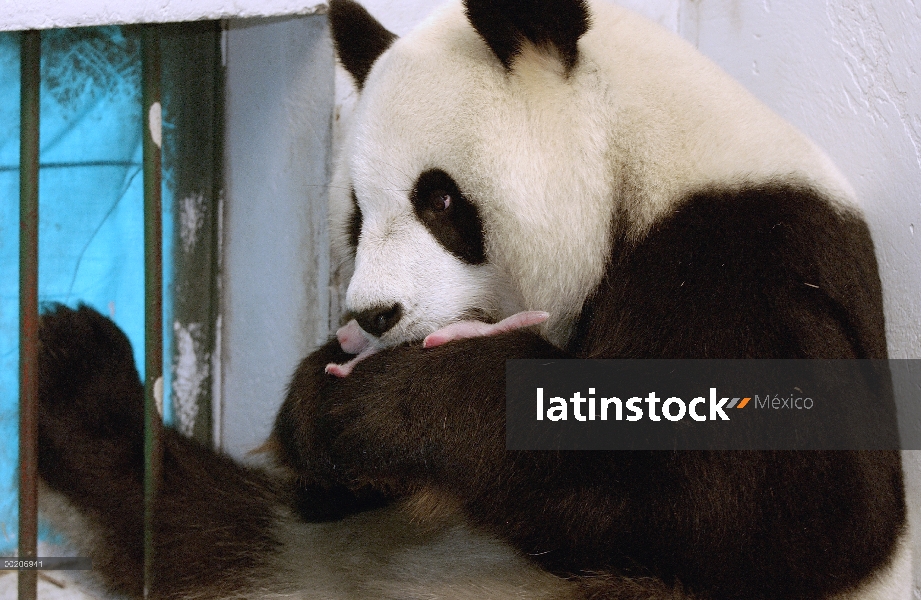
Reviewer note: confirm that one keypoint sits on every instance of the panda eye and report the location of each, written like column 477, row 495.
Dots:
column 439, row 200
column 449, row 216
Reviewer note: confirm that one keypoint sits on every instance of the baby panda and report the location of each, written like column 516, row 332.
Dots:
column 521, row 179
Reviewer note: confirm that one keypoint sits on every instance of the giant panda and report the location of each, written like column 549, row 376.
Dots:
column 509, row 157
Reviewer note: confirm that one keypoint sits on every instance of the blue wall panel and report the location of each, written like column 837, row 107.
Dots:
column 90, row 186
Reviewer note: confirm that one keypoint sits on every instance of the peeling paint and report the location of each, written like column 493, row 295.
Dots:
column 158, row 395
column 191, row 219
column 190, row 371
column 872, row 63
column 155, row 122
column 217, row 397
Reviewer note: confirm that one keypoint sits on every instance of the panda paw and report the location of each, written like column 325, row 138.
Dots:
column 90, row 398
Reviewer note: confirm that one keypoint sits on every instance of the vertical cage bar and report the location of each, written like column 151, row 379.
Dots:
column 153, row 286
column 30, row 57
column 217, row 229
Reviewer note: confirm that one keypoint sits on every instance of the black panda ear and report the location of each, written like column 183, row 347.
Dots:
column 506, row 24
column 358, row 37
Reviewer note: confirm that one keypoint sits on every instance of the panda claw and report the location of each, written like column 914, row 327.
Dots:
column 468, row 329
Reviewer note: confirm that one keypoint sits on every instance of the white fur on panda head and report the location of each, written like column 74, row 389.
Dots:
column 441, row 111
column 556, row 127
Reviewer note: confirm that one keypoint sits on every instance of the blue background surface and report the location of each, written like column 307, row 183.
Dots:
column 91, row 246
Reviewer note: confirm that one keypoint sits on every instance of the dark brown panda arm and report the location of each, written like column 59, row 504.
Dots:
column 409, row 419
column 405, row 418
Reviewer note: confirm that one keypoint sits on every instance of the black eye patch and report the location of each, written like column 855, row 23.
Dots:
column 354, row 224
column 452, row 219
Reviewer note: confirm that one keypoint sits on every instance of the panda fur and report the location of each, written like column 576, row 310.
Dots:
column 595, row 167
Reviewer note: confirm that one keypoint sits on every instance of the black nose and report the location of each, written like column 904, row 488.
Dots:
column 379, row 319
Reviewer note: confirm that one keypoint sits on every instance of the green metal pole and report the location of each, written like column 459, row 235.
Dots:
column 153, row 288
column 30, row 64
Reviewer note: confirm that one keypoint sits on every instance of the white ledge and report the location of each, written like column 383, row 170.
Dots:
column 47, row 14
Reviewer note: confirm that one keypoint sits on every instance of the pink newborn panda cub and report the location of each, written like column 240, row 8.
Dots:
column 353, row 339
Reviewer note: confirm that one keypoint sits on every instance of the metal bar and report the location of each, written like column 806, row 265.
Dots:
column 217, row 203
column 30, row 65
column 191, row 63
column 153, row 287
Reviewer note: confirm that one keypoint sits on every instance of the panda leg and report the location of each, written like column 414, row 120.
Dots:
column 469, row 329
column 214, row 520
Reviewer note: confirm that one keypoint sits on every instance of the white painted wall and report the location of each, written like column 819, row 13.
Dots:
column 275, row 297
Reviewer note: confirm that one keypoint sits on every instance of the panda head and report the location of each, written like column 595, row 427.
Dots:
column 457, row 189
column 503, row 153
